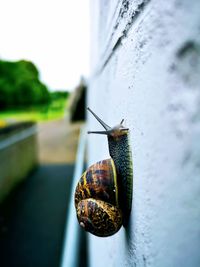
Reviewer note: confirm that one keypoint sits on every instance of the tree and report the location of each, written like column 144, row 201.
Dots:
column 20, row 85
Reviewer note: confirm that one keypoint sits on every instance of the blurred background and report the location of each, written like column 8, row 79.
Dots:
column 44, row 67
column 44, row 53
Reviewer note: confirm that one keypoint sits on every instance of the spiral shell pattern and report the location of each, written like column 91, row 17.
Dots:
column 98, row 182
column 98, row 217
column 96, row 199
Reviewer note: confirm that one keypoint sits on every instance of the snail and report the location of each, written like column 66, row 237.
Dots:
column 103, row 195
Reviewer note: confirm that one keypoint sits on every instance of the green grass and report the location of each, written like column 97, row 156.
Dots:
column 55, row 110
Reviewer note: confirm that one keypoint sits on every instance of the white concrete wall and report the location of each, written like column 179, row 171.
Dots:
column 146, row 68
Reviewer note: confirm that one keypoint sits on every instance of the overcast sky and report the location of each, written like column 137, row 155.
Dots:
column 54, row 34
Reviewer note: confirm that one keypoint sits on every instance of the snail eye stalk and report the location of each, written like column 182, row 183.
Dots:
column 105, row 126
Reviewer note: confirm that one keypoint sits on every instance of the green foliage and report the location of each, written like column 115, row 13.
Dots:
column 20, row 85
column 59, row 94
column 56, row 109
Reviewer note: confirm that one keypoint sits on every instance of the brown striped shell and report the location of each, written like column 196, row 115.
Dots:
column 96, row 199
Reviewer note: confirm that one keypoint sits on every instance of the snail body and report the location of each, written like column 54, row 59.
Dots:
column 103, row 195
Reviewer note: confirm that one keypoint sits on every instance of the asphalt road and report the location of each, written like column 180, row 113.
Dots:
column 58, row 141
column 32, row 219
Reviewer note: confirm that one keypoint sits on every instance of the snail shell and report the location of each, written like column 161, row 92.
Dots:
column 96, row 199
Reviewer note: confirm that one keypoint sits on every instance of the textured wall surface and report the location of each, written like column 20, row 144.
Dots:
column 146, row 69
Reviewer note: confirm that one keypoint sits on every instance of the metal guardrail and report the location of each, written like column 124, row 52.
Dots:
column 71, row 240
